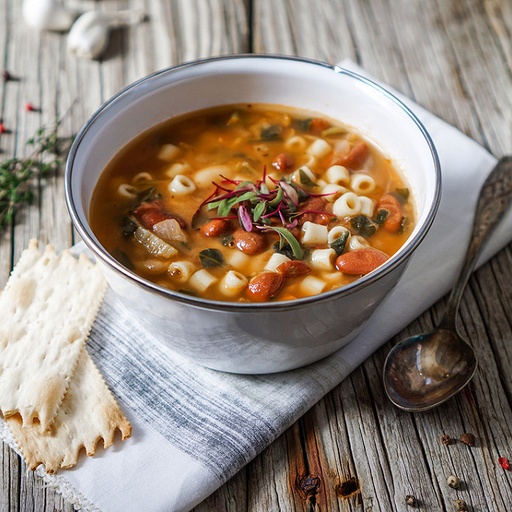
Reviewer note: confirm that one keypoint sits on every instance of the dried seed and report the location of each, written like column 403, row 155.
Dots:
column 446, row 439
column 468, row 439
column 461, row 506
column 411, row 500
column 453, row 481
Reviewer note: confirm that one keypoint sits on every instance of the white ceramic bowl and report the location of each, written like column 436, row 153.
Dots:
column 263, row 337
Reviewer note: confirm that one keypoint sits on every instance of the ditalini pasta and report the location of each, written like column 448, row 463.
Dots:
column 251, row 203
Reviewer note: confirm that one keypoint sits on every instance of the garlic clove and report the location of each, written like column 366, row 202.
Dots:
column 89, row 35
column 47, row 15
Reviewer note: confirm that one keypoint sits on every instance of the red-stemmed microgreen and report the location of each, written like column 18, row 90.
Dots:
column 258, row 207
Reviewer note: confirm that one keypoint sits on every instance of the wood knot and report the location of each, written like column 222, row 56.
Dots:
column 307, row 485
column 348, row 488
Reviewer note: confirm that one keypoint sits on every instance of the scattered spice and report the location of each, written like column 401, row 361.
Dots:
column 453, row 481
column 446, row 439
column 411, row 501
column 307, row 485
column 504, row 463
column 468, row 439
column 461, row 506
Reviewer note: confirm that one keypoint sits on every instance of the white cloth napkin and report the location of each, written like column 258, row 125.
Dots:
column 194, row 428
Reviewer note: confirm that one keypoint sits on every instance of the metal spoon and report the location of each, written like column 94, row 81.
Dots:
column 425, row 370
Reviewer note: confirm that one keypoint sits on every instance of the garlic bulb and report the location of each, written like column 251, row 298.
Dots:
column 89, row 35
column 47, row 15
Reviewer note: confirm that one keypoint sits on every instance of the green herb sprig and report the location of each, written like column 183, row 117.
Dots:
column 17, row 174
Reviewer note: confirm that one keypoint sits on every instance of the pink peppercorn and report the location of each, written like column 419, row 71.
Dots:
column 504, row 463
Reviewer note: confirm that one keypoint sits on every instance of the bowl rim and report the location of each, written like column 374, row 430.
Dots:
column 87, row 235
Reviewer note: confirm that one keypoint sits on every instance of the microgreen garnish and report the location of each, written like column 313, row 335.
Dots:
column 259, row 207
column 286, row 236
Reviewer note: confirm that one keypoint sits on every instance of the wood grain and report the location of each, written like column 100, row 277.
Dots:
column 353, row 451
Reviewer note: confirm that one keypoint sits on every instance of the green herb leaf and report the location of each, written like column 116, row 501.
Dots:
column 291, row 240
column 148, row 195
column 211, row 258
column 305, row 179
column 402, row 194
column 363, row 226
column 271, row 132
column 128, row 227
column 302, row 125
column 259, row 210
column 340, row 243
column 228, row 240
column 381, row 216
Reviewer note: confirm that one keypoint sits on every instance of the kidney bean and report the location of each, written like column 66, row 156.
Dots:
column 249, row 242
column 314, row 208
column 149, row 214
column 393, row 221
column 293, row 268
column 215, row 227
column 354, row 158
column 360, row 261
column 263, row 287
column 283, row 161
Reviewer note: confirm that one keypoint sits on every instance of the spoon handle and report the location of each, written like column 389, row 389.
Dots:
column 493, row 202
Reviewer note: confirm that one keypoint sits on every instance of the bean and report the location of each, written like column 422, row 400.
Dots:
column 152, row 213
column 283, row 161
column 215, row 227
column 263, row 287
column 249, row 242
column 314, row 208
column 293, row 268
column 360, row 261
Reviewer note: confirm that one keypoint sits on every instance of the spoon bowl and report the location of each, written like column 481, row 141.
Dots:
column 425, row 370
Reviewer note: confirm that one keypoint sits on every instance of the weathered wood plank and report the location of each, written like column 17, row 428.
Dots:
column 353, row 450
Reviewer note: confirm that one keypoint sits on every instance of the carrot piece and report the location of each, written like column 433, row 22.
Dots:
column 353, row 158
column 393, row 221
column 317, row 125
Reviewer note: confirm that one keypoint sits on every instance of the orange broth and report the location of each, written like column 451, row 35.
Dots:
column 225, row 152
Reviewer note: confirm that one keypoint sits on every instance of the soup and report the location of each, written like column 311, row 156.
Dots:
column 252, row 203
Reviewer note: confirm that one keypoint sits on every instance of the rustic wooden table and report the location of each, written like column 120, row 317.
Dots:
column 353, row 450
